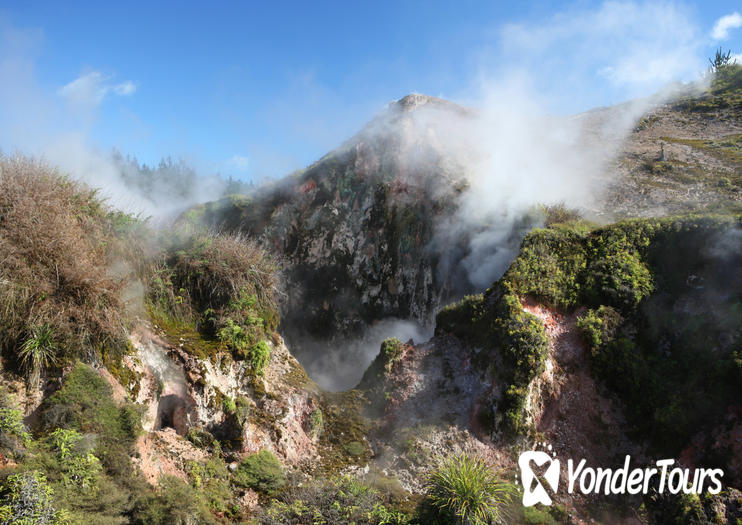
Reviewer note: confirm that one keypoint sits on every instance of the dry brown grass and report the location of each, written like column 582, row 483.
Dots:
column 67, row 261
column 203, row 271
column 55, row 240
column 217, row 268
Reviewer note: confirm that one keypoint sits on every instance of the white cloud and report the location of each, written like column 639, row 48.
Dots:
column 125, row 88
column 633, row 45
column 91, row 88
column 724, row 24
column 237, row 163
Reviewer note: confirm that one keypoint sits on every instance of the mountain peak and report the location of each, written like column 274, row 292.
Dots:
column 415, row 101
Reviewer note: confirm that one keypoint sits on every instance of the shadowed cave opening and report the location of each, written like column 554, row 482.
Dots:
column 172, row 412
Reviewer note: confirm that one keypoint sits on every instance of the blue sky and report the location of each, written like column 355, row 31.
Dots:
column 255, row 90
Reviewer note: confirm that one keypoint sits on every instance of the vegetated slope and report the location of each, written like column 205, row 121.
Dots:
column 137, row 364
column 620, row 340
column 658, row 304
column 62, row 269
column 187, row 328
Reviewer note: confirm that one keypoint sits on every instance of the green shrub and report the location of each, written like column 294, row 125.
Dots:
column 550, row 266
column 13, row 433
column 464, row 490
column 522, row 340
column 497, row 322
column 537, row 516
column 462, row 318
column 235, row 336
column 621, row 280
column 85, row 403
column 599, row 326
column 79, row 467
column 260, row 356
column 390, row 351
column 27, row 499
column 355, row 448
column 378, row 373
column 212, row 481
column 199, row 436
column 176, row 503
column 261, row 472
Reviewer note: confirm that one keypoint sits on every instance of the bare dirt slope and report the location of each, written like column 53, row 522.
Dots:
column 676, row 161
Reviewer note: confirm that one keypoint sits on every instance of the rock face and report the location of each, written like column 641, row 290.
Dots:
column 218, row 398
column 354, row 230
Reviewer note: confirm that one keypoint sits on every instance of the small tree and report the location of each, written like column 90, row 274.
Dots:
column 721, row 60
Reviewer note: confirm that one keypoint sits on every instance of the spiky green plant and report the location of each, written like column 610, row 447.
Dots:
column 467, row 491
column 38, row 352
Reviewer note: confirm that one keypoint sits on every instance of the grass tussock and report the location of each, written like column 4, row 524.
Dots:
column 463, row 490
column 57, row 295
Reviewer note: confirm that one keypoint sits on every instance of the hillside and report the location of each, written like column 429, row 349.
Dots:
column 145, row 377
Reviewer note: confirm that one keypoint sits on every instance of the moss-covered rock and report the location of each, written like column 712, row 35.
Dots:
column 666, row 304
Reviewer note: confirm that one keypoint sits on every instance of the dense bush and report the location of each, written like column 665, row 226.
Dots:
column 550, row 266
column 462, row 318
column 261, row 472
column 621, row 280
column 211, row 479
column 599, row 326
column 176, row 503
column 389, row 353
column 497, row 322
column 73, row 271
column 14, row 436
column 376, row 378
column 674, row 282
column 658, row 330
